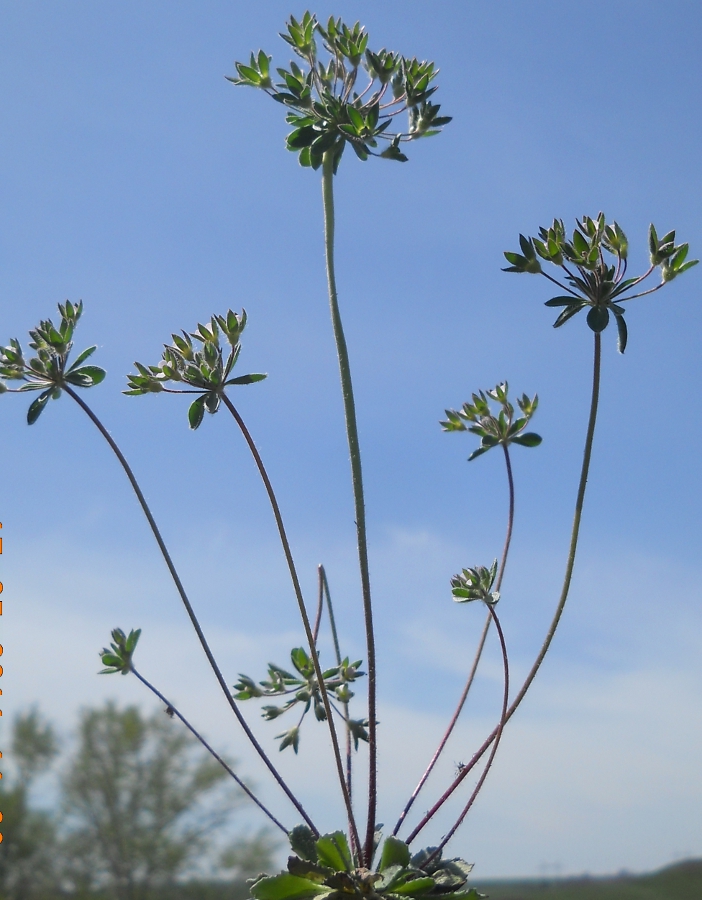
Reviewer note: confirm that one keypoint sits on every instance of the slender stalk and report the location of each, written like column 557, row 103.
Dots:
column 320, row 605
column 357, row 479
column 188, row 606
column 503, row 718
column 332, row 622
column 301, row 604
column 174, row 711
column 642, row 294
column 575, row 531
column 555, row 281
column 478, row 652
column 324, row 588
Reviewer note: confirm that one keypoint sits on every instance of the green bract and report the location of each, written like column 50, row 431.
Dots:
column 325, row 867
column 202, row 370
column 47, row 372
column 118, row 658
column 326, row 110
column 475, row 584
column 494, row 430
column 598, row 282
column 304, row 688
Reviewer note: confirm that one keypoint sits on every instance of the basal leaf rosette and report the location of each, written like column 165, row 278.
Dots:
column 326, row 867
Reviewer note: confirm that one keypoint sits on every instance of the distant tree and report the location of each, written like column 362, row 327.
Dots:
column 139, row 804
column 248, row 857
column 27, row 853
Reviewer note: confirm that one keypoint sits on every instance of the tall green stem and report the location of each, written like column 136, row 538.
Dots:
column 186, row 602
column 357, row 479
column 478, row 652
column 575, row 532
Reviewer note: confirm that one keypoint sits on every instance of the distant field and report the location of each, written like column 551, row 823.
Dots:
column 682, row 881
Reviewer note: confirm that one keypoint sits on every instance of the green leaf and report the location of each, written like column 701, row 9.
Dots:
column 579, row 243
column 562, row 301
column 568, row 313
column 622, row 334
column 286, row 887
column 333, row 851
column 196, row 412
column 395, row 853
column 470, row 894
column 303, row 842
column 290, row 738
column 687, row 265
column 82, row 357
column 87, row 376
column 37, row 407
column 598, row 318
column 248, row 75
column 133, row 640
column 530, row 439
column 361, row 150
column 302, row 137
column 212, row 402
column 324, row 142
column 517, row 260
column 247, row 379
column 305, row 869
column 109, row 659
column 415, row 888
column 300, row 660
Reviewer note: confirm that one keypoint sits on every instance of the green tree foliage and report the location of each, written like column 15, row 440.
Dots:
column 27, row 855
column 135, row 799
column 133, row 812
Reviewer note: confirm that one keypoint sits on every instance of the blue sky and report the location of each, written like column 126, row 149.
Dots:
column 137, row 178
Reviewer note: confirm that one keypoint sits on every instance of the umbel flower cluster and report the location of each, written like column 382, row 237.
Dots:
column 594, row 266
column 329, row 109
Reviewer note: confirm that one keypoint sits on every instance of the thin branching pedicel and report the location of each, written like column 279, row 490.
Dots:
column 118, row 658
column 303, row 689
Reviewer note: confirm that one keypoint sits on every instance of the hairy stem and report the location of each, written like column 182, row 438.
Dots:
column 575, row 531
column 188, row 606
column 357, row 479
column 320, row 605
column 498, row 735
column 324, row 584
column 173, row 711
column 478, row 652
column 301, row 604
